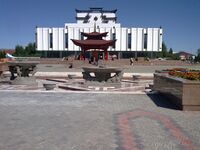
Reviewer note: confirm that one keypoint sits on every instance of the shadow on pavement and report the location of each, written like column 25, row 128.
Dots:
column 162, row 101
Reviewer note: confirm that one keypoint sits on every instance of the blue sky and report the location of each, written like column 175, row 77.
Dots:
column 180, row 19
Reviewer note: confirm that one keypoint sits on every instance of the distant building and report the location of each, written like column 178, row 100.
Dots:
column 56, row 42
column 185, row 55
column 9, row 51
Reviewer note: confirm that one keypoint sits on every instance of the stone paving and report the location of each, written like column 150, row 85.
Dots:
column 91, row 121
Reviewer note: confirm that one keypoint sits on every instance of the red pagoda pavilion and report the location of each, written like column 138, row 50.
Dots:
column 95, row 43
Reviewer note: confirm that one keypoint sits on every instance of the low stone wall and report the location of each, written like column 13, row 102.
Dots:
column 184, row 93
column 3, row 67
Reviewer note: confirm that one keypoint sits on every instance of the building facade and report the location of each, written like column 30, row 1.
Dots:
column 56, row 42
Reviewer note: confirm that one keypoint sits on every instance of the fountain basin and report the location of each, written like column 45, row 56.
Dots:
column 102, row 74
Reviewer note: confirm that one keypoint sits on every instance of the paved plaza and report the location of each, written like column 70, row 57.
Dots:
column 127, row 68
column 129, row 117
column 91, row 121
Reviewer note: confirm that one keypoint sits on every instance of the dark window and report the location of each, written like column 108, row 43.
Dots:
column 145, row 41
column 66, row 40
column 129, row 40
column 82, row 37
column 114, row 38
column 51, row 40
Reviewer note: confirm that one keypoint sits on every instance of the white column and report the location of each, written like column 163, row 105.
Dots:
column 70, row 36
column 149, row 39
column 139, row 39
column 39, row 39
column 124, row 39
column 61, row 39
column 155, row 39
column 76, row 36
column 55, row 39
column 45, row 39
column 133, row 39
column 118, row 37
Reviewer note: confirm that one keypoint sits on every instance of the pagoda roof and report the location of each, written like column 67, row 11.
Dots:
column 94, row 34
column 94, row 44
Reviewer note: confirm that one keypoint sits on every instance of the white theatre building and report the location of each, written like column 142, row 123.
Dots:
column 130, row 42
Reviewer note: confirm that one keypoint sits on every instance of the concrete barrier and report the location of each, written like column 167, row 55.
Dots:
column 182, row 92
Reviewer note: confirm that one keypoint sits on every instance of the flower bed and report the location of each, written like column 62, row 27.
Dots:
column 181, row 86
column 185, row 73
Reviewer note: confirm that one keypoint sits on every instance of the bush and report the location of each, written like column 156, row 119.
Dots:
column 28, row 51
column 2, row 54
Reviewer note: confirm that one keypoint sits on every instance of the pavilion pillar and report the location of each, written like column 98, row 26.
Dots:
column 95, row 55
column 75, row 54
column 106, row 54
column 82, row 55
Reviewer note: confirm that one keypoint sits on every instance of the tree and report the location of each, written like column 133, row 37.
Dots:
column 170, row 54
column 19, row 50
column 198, row 52
column 2, row 54
column 198, row 55
column 164, row 50
column 30, row 49
column 171, row 51
column 175, row 56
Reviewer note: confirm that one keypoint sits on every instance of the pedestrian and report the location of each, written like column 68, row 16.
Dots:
column 131, row 61
column 71, row 65
column 97, row 61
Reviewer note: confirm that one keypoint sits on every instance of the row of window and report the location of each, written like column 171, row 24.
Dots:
column 130, row 39
column 51, row 40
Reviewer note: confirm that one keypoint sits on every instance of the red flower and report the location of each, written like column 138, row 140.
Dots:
column 185, row 73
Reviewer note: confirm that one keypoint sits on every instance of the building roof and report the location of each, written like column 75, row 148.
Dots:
column 94, row 41
column 94, row 35
column 185, row 53
column 10, row 51
column 96, row 9
column 94, row 44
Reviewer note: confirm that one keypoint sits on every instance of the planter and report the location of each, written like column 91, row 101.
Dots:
column 49, row 86
column 182, row 92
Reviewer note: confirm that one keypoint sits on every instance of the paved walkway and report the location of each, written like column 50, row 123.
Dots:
column 74, row 121
column 61, row 70
column 127, row 68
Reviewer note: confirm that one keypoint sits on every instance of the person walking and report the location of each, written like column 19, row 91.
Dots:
column 131, row 61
